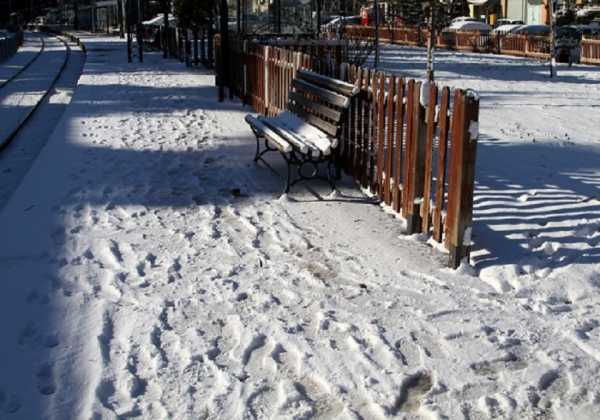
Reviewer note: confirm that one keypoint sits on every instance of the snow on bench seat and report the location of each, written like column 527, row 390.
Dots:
column 274, row 139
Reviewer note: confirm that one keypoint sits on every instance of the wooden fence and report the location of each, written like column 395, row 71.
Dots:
column 521, row 45
column 590, row 50
column 412, row 144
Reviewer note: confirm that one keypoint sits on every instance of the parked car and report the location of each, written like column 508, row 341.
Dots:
column 588, row 30
column 502, row 22
column 533, row 30
column 335, row 24
column 463, row 19
column 468, row 26
column 505, row 29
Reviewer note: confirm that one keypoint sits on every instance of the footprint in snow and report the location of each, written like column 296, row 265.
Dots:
column 45, row 379
column 412, row 391
column 9, row 404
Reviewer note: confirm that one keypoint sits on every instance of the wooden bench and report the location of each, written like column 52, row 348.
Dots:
column 307, row 133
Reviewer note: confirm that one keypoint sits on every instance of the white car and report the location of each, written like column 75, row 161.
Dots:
column 505, row 29
column 469, row 26
column 338, row 22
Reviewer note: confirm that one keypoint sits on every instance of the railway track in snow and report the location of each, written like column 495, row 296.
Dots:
column 23, row 93
column 26, row 65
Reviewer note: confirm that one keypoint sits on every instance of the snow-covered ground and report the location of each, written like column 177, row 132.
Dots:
column 150, row 270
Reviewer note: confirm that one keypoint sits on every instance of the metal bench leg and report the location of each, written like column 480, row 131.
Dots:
column 329, row 174
column 257, row 154
column 288, row 179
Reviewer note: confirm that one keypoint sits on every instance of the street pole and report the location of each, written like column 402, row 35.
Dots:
column 376, row 16
column 128, row 29
column 318, row 17
column 238, row 16
column 552, row 39
column 431, row 41
column 165, row 4
column 120, row 18
column 140, row 36
column 222, row 67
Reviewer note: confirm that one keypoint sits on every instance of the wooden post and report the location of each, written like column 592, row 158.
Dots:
column 440, row 182
column 462, row 176
column 377, row 186
column 428, row 167
column 389, row 157
column 399, row 139
column 267, row 79
column 415, row 159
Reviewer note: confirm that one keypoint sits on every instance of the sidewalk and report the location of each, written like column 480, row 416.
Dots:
column 139, row 282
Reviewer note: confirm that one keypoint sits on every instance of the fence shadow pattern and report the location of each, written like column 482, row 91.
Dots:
column 410, row 143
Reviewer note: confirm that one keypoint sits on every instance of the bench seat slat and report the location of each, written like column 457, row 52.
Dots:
column 320, row 109
column 274, row 138
column 327, row 127
column 301, row 144
column 308, row 132
column 323, row 94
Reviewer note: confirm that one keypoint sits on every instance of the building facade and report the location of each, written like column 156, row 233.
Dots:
column 531, row 12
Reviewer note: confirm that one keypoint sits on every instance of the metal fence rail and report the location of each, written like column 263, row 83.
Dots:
column 412, row 144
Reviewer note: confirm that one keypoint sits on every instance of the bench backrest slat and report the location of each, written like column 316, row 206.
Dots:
column 315, row 107
column 329, row 83
column 320, row 101
column 322, row 93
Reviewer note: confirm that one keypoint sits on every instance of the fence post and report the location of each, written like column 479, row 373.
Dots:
column 245, row 75
column 415, row 175
column 267, row 87
column 461, row 181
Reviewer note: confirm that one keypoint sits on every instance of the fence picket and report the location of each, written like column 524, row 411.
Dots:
column 378, row 185
column 430, row 116
column 398, row 149
column 440, row 182
column 388, row 155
